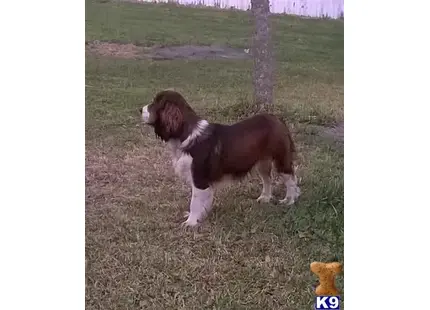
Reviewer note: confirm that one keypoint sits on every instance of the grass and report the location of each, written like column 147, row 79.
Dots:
column 246, row 255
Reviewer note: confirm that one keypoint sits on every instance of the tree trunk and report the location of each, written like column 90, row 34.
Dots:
column 263, row 58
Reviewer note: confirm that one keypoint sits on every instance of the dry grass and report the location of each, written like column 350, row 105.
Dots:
column 246, row 255
column 110, row 49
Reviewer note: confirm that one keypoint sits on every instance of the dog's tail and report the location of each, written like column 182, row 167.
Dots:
column 290, row 140
column 292, row 146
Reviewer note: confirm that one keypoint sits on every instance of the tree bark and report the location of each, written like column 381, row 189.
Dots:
column 263, row 57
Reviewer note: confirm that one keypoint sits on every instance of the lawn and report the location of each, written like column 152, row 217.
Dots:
column 246, row 255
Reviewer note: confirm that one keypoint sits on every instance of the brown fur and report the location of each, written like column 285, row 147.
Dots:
column 172, row 117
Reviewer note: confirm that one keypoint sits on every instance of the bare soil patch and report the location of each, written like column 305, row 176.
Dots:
column 336, row 132
column 198, row 52
column 132, row 51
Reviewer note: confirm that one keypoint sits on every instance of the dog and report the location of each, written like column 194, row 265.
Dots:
column 205, row 154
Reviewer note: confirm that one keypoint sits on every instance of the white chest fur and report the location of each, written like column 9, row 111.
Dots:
column 181, row 162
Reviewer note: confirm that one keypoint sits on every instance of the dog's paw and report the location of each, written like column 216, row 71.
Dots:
column 191, row 221
column 287, row 201
column 291, row 197
column 264, row 199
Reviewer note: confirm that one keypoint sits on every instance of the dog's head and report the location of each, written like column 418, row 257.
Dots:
column 169, row 114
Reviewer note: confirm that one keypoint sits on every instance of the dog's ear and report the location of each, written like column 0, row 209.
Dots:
column 171, row 119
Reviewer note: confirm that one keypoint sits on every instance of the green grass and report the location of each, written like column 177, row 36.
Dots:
column 246, row 255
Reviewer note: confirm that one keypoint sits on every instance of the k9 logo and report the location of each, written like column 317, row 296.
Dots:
column 327, row 302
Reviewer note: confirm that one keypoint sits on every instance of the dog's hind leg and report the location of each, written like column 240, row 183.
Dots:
column 285, row 167
column 292, row 189
column 264, row 169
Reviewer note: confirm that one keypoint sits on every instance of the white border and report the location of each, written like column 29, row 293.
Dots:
column 386, row 155
column 42, row 155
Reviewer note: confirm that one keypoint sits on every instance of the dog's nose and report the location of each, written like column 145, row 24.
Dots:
column 140, row 110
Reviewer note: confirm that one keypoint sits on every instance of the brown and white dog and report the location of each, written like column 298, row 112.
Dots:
column 204, row 154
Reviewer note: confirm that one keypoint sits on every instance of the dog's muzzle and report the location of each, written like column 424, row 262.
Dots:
column 144, row 114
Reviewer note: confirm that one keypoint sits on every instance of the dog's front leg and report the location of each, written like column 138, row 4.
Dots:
column 201, row 203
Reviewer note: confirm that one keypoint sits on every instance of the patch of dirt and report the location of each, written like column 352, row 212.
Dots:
column 132, row 51
column 198, row 52
column 335, row 132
